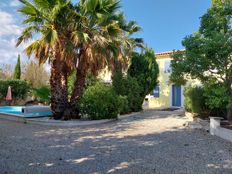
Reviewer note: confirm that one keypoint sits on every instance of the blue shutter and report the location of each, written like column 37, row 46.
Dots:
column 156, row 91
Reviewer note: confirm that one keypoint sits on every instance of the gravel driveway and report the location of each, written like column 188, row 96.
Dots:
column 150, row 142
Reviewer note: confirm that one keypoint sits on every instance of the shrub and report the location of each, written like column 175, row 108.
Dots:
column 216, row 99
column 124, row 106
column 99, row 102
column 89, row 81
column 195, row 100
column 145, row 69
column 20, row 88
column 42, row 94
column 205, row 101
column 215, row 96
column 128, row 87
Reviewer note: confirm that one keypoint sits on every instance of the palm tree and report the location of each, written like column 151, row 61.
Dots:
column 46, row 25
column 86, row 37
column 103, row 38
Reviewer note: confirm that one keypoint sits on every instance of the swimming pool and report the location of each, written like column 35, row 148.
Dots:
column 19, row 111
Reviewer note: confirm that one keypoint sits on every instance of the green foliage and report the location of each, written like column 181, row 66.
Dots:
column 195, row 99
column 124, row 105
column 205, row 101
column 207, row 55
column 145, row 69
column 140, row 80
column 99, row 102
column 128, row 87
column 17, row 70
column 207, row 50
column 71, row 81
column 42, row 94
column 215, row 96
column 90, row 34
column 89, row 81
column 180, row 68
column 20, row 88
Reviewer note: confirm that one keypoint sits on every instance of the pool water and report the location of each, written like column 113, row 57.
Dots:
column 17, row 111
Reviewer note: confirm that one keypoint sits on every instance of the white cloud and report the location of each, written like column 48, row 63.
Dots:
column 8, row 51
column 9, row 32
column 8, row 25
column 14, row 3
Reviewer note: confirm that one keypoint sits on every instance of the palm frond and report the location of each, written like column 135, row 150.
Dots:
column 27, row 34
column 50, row 37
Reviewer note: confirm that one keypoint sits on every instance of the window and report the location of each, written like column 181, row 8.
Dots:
column 167, row 68
column 156, row 91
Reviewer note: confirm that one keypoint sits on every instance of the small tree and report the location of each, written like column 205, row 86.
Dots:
column 17, row 70
column 208, row 55
column 5, row 71
column 129, row 88
column 145, row 69
column 36, row 74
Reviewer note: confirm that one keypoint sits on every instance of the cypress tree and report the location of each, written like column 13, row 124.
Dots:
column 17, row 70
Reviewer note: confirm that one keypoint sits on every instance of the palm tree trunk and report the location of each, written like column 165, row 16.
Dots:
column 59, row 92
column 77, row 92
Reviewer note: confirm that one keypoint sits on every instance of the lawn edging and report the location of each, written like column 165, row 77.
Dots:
column 217, row 130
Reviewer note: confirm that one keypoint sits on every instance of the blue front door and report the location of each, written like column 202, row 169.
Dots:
column 176, row 95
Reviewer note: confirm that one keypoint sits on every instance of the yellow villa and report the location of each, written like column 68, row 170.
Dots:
column 165, row 94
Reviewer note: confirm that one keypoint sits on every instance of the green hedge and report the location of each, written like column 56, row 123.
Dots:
column 130, row 89
column 20, row 88
column 206, row 101
column 99, row 102
column 42, row 94
column 195, row 99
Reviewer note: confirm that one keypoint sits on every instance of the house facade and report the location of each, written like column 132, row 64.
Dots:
column 165, row 94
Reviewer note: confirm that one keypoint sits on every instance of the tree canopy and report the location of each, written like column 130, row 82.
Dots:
column 208, row 52
column 145, row 69
column 85, row 37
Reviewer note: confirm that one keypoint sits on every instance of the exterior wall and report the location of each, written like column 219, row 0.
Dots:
column 165, row 93
column 165, row 98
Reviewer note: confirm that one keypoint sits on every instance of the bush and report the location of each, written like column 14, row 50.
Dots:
column 89, row 81
column 128, row 87
column 205, row 101
column 215, row 96
column 195, row 100
column 99, row 102
column 124, row 106
column 140, row 80
column 20, row 89
column 216, row 99
column 42, row 94
column 145, row 69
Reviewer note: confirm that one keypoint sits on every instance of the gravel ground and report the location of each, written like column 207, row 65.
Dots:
column 150, row 142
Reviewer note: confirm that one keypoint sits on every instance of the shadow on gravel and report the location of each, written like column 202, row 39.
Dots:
column 120, row 147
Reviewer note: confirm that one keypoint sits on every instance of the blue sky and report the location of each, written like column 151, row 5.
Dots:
column 165, row 23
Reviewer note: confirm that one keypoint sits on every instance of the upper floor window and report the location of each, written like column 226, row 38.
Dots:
column 167, row 68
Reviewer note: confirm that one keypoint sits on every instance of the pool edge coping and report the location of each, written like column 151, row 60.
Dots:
column 59, row 123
